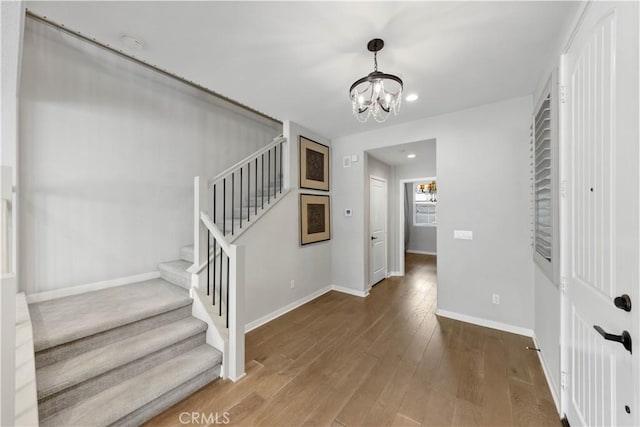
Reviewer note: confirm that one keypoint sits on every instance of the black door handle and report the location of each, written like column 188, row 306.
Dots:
column 624, row 338
column 623, row 302
column 374, row 238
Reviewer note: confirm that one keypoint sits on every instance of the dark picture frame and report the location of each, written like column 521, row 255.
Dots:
column 315, row 218
column 314, row 164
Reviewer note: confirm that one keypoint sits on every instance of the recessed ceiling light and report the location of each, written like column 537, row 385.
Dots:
column 132, row 43
column 412, row 97
column 411, row 156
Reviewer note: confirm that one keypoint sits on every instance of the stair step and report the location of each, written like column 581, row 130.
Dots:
column 66, row 327
column 140, row 398
column 176, row 272
column 186, row 253
column 65, row 383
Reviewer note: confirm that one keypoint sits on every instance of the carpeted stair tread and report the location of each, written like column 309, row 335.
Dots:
column 62, row 375
column 118, row 402
column 67, row 319
column 176, row 272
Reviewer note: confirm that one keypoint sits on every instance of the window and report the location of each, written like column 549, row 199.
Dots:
column 425, row 199
column 544, row 158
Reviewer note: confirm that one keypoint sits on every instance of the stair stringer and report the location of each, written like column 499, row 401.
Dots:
column 217, row 335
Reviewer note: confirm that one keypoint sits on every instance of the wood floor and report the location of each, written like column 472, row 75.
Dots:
column 382, row 360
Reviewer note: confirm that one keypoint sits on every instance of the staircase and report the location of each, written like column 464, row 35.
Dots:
column 119, row 355
column 122, row 355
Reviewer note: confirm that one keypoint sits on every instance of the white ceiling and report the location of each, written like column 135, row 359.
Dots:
column 396, row 155
column 296, row 60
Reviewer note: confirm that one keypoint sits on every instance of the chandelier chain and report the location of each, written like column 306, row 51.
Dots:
column 375, row 61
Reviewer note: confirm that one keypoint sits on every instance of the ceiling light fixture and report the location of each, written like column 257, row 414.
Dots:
column 370, row 97
column 411, row 156
column 412, row 97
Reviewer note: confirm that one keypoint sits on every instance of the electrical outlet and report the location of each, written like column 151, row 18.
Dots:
column 496, row 299
column 293, row 284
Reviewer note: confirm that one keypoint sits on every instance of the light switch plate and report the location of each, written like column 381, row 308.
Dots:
column 346, row 162
column 463, row 235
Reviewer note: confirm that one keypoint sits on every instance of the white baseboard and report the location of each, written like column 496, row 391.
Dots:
column 549, row 379
column 287, row 308
column 393, row 274
column 81, row 289
column 350, row 291
column 411, row 251
column 485, row 322
column 292, row 306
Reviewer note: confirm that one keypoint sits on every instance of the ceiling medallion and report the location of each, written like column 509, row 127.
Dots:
column 377, row 94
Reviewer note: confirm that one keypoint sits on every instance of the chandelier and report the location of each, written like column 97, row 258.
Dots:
column 376, row 94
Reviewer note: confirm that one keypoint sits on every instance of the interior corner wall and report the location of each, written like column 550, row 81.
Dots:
column 483, row 186
column 547, row 297
column 273, row 252
column 107, row 155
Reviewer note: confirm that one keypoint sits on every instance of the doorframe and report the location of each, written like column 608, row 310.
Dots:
column 386, row 231
column 401, row 196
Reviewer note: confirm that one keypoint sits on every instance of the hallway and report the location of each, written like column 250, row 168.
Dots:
column 382, row 360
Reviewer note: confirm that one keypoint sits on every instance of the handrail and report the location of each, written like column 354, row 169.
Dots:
column 277, row 140
column 213, row 229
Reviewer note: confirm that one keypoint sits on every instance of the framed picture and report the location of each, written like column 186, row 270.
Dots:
column 315, row 221
column 314, row 165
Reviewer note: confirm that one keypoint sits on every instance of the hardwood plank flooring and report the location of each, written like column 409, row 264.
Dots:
column 384, row 360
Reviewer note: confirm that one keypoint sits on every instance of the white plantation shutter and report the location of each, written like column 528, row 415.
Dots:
column 542, row 159
column 544, row 181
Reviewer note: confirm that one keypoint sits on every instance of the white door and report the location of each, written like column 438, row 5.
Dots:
column 378, row 228
column 601, row 217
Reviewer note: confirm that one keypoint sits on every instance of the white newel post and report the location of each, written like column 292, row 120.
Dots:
column 236, row 313
column 199, row 229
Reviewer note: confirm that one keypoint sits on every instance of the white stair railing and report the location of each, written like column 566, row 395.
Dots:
column 224, row 208
column 240, row 193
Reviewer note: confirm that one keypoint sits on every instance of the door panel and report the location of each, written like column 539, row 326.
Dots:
column 378, row 226
column 601, row 218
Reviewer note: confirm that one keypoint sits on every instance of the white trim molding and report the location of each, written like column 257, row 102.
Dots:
column 545, row 369
column 361, row 294
column 485, row 322
column 284, row 310
column 81, row 289
column 292, row 306
column 394, row 274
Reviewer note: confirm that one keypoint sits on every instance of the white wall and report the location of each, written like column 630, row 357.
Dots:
column 273, row 252
column 11, row 30
column 483, row 186
column 108, row 151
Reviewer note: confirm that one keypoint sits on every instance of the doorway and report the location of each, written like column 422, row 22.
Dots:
column 417, row 211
